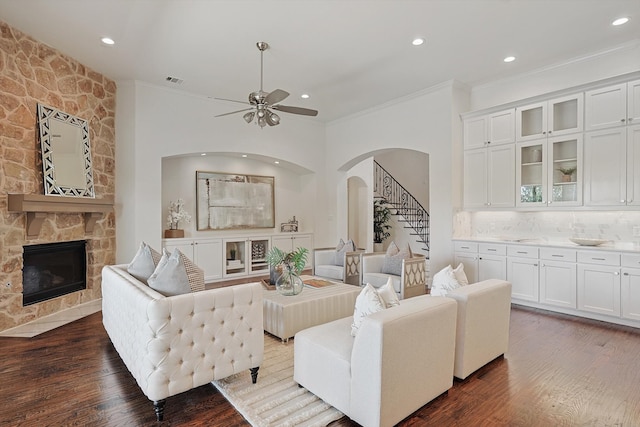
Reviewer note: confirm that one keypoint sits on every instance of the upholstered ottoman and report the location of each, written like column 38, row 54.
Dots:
column 285, row 315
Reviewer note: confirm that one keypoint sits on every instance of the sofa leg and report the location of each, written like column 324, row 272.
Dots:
column 254, row 374
column 158, row 407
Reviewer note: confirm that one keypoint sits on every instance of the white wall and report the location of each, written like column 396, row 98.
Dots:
column 156, row 122
column 423, row 123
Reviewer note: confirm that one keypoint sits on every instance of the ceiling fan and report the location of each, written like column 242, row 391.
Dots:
column 262, row 102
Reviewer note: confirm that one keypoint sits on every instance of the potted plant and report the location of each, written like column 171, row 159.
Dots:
column 176, row 214
column 567, row 173
column 288, row 265
column 381, row 217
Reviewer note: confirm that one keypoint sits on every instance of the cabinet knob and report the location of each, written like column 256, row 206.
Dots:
column 625, row 274
column 629, row 119
column 549, row 132
column 616, row 273
column 622, row 120
column 535, row 265
column 544, row 133
column 622, row 201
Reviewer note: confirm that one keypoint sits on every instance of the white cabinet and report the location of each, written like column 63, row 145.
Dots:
column 466, row 253
column 612, row 167
column 612, row 106
column 245, row 256
column 205, row 253
column 599, row 282
column 523, row 272
column 550, row 118
column 630, row 286
column 290, row 243
column 558, row 277
column 549, row 171
column 492, row 261
column 492, row 129
column 489, row 177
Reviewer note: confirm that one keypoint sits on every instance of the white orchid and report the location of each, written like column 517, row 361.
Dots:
column 177, row 214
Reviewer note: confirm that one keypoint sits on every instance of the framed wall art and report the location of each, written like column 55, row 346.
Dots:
column 228, row 201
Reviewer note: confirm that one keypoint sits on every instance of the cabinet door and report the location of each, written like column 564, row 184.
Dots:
column 236, row 257
column 565, row 115
column 633, row 102
column 184, row 246
column 475, row 178
column 475, row 132
column 208, row 256
column 284, row 243
column 523, row 274
column 558, row 284
column 531, row 121
column 470, row 262
column 492, row 267
column 605, row 176
column 599, row 289
column 564, row 155
column 501, row 127
column 531, row 173
column 501, row 176
column 633, row 165
column 630, row 293
column 605, row 107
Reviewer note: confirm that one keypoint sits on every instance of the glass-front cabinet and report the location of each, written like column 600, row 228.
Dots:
column 549, row 172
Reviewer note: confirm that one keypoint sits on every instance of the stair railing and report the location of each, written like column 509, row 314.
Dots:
column 398, row 198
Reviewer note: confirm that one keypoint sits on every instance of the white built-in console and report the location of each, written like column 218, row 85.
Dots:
column 232, row 257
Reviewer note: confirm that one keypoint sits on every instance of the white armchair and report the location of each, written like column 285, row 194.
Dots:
column 325, row 266
column 410, row 283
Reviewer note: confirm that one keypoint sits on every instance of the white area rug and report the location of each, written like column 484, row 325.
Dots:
column 276, row 400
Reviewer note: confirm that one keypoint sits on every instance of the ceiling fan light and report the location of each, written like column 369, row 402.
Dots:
column 262, row 121
column 272, row 118
column 248, row 117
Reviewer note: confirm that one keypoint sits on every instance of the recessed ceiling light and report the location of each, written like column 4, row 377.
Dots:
column 108, row 41
column 620, row 21
column 244, row 155
column 304, row 96
column 203, row 154
column 417, row 41
column 509, row 59
column 276, row 162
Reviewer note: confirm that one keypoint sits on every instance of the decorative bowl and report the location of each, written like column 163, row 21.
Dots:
column 587, row 242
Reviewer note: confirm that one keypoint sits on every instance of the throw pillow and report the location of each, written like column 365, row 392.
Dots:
column 392, row 264
column 341, row 249
column 144, row 263
column 388, row 294
column 367, row 302
column 444, row 281
column 170, row 278
column 194, row 273
column 461, row 276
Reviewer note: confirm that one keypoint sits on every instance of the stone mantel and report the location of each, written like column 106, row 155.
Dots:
column 37, row 206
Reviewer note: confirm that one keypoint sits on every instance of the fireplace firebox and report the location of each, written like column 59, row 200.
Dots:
column 53, row 269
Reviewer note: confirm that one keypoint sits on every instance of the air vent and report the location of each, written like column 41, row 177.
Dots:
column 175, row 80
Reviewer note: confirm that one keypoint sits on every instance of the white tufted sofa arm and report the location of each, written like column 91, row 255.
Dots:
column 174, row 344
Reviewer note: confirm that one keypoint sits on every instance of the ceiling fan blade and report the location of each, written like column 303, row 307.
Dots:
column 233, row 112
column 232, row 100
column 295, row 110
column 276, row 96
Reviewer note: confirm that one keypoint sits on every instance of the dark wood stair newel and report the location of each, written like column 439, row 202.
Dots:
column 158, row 407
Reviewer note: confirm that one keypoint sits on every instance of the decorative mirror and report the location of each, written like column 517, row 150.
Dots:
column 66, row 153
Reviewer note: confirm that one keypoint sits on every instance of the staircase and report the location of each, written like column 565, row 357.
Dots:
column 402, row 204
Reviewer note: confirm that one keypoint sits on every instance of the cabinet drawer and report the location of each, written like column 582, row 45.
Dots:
column 522, row 251
column 556, row 254
column 466, row 247
column 631, row 260
column 601, row 258
column 492, row 249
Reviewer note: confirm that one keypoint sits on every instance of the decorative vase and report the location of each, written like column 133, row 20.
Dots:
column 173, row 233
column 289, row 283
column 378, row 247
column 566, row 178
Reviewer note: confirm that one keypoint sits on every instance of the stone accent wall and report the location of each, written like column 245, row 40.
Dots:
column 32, row 73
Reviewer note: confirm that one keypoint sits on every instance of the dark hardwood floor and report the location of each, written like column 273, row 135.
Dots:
column 559, row 371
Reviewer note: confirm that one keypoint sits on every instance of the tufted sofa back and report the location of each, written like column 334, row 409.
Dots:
column 174, row 344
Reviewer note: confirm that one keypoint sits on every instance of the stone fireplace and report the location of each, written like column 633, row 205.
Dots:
column 32, row 73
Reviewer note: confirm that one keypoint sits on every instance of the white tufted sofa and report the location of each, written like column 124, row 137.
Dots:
column 174, row 344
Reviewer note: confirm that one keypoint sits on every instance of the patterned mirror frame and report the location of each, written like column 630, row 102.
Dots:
column 45, row 115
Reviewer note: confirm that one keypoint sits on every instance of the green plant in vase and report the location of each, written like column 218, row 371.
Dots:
column 567, row 173
column 289, row 265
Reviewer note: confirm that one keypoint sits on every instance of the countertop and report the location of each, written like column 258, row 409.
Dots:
column 616, row 246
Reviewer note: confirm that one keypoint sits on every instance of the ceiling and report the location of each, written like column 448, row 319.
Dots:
column 348, row 55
